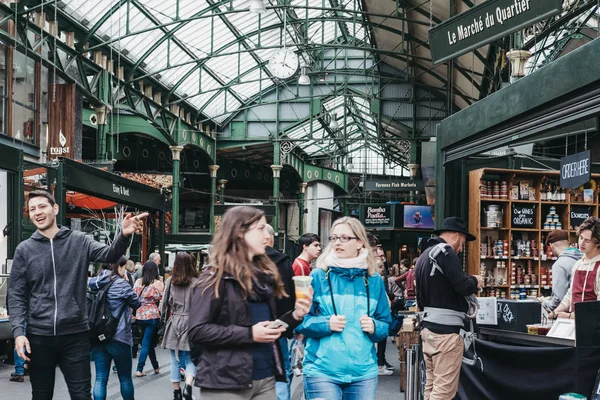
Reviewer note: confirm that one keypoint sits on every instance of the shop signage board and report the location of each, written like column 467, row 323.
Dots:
column 485, row 23
column 523, row 215
column 60, row 131
column 575, row 170
column 580, row 214
column 377, row 215
column 396, row 185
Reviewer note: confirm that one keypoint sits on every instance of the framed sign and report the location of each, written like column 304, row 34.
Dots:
column 377, row 216
column 523, row 215
column 578, row 214
column 575, row 170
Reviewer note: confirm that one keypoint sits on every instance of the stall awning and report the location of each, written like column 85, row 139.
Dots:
column 86, row 201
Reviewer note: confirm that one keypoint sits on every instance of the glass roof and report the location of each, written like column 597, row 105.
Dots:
column 214, row 54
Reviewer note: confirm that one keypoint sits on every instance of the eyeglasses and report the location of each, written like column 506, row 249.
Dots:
column 343, row 238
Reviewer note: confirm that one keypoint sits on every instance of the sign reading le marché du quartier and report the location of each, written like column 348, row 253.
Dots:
column 485, row 23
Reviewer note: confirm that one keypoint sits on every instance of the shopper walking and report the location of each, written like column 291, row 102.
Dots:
column 175, row 310
column 442, row 290
column 150, row 289
column 311, row 249
column 282, row 306
column 121, row 298
column 47, row 293
column 233, row 307
column 154, row 257
column 350, row 311
column 396, row 292
column 408, row 278
column 562, row 269
column 585, row 285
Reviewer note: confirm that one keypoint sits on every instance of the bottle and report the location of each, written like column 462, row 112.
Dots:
column 543, row 195
column 563, row 195
column 549, row 192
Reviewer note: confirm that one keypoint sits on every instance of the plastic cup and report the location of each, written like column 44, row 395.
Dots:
column 302, row 286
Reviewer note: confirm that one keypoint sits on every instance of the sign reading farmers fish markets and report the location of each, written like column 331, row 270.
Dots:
column 396, row 185
column 485, row 23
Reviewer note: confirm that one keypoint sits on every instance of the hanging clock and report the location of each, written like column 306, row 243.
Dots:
column 284, row 63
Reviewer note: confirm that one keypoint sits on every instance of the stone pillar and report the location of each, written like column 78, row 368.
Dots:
column 276, row 176
column 213, row 196
column 176, row 151
column 301, row 196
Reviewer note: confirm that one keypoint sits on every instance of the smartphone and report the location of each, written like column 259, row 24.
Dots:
column 277, row 324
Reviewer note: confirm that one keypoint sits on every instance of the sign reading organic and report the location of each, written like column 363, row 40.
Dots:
column 485, row 23
column 377, row 216
column 579, row 214
column 523, row 215
column 575, row 170
column 396, row 185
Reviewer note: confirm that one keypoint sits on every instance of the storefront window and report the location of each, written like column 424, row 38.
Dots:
column 24, row 104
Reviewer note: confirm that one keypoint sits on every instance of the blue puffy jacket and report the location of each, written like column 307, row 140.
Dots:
column 350, row 355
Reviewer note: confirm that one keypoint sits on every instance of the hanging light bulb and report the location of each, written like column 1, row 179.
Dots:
column 333, row 125
column 303, row 79
column 257, row 7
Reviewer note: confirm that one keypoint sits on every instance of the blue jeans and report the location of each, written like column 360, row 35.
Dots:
column 148, row 328
column 19, row 364
column 103, row 355
column 317, row 388
column 185, row 361
column 282, row 389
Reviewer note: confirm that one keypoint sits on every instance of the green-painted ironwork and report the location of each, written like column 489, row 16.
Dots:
column 313, row 173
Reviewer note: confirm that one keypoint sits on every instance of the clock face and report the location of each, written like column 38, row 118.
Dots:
column 284, row 64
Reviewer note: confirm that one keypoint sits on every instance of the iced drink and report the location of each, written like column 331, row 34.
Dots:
column 302, row 284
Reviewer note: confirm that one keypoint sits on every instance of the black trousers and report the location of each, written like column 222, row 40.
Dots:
column 381, row 352
column 71, row 353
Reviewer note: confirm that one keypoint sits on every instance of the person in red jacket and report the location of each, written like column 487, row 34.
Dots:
column 409, row 279
column 311, row 249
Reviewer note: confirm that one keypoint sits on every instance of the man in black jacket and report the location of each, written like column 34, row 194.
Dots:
column 443, row 293
column 47, row 293
column 283, row 305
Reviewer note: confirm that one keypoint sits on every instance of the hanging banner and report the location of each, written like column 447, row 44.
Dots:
column 575, row 170
column 485, row 23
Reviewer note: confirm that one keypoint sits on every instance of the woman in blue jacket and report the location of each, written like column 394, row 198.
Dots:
column 350, row 313
column 120, row 297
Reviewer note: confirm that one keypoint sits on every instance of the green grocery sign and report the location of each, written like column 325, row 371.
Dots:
column 486, row 23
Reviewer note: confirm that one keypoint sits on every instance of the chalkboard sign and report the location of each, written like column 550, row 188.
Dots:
column 523, row 215
column 579, row 214
column 575, row 170
column 377, row 216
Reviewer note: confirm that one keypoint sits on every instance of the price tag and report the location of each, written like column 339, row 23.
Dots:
column 536, row 258
column 546, row 287
column 483, row 257
column 521, row 286
column 496, row 257
column 505, row 257
column 517, row 257
column 554, row 258
column 527, row 286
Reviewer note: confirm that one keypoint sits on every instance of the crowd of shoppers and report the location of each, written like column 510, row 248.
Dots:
column 229, row 328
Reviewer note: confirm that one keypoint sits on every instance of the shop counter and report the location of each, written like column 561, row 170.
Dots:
column 5, row 329
column 519, row 366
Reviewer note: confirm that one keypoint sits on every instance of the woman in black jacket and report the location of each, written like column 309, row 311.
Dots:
column 232, row 310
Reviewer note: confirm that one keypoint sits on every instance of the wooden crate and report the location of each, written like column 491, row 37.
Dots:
column 402, row 376
column 408, row 339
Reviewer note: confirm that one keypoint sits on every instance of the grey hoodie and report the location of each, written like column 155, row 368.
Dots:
column 562, row 269
column 48, row 280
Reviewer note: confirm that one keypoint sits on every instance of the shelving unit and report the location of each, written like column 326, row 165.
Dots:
column 509, row 232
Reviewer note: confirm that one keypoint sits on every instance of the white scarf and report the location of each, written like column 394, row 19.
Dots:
column 359, row 262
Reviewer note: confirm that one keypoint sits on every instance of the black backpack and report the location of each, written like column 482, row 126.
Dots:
column 103, row 324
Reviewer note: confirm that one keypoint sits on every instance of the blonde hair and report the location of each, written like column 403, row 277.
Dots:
column 359, row 231
column 229, row 254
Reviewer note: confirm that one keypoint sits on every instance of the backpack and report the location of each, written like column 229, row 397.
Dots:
column 103, row 324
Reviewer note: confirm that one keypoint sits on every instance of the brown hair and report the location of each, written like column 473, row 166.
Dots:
column 230, row 251
column 590, row 224
column 41, row 193
column 183, row 270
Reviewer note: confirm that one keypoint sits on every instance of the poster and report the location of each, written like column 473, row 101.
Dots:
column 487, row 314
column 418, row 217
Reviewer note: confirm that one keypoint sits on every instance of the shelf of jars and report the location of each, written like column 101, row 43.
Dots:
column 511, row 212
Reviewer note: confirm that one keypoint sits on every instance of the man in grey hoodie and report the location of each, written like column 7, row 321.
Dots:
column 562, row 268
column 47, row 293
